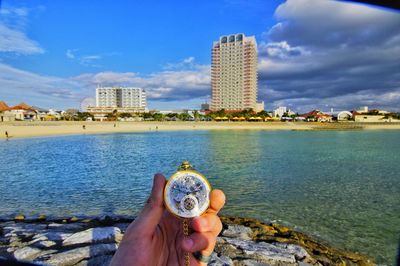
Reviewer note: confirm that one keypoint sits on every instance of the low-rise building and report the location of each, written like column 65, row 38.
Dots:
column 364, row 118
column 5, row 113
column 23, row 112
column 317, row 116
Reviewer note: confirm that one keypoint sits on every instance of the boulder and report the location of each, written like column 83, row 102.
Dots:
column 30, row 253
column 219, row 260
column 19, row 217
column 53, row 236
column 263, row 252
column 104, row 260
column 299, row 252
column 122, row 226
column 74, row 256
column 95, row 235
column 238, row 231
column 250, row 263
column 66, row 227
column 44, row 244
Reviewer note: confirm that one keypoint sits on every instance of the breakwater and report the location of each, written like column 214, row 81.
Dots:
column 94, row 240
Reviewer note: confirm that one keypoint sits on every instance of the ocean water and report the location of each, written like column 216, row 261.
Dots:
column 342, row 187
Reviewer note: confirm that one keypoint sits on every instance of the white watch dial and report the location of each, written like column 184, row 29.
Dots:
column 187, row 194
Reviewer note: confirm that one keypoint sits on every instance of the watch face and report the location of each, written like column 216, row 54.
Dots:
column 187, row 194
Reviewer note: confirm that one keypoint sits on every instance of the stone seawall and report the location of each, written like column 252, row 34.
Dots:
column 93, row 241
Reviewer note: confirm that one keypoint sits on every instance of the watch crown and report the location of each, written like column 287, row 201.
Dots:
column 185, row 166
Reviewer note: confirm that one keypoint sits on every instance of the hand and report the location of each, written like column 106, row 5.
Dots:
column 156, row 236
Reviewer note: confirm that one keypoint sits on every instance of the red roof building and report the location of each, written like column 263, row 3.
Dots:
column 22, row 106
column 4, row 106
column 317, row 115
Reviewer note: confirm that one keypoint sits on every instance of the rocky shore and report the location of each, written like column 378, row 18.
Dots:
column 93, row 241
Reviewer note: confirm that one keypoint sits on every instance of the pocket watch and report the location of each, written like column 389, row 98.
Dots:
column 187, row 192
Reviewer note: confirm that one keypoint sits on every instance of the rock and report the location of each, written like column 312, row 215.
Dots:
column 42, row 217
column 219, row 261
column 53, row 236
column 263, row 252
column 66, row 227
column 98, row 261
column 122, row 226
column 44, row 244
column 37, row 239
column 74, row 256
column 73, row 219
column 250, row 263
column 19, row 217
column 238, row 231
column 95, row 235
column 30, row 253
column 226, row 249
column 299, row 252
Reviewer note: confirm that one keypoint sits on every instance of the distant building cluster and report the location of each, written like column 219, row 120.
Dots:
column 234, row 74
column 234, row 92
column 361, row 114
column 25, row 112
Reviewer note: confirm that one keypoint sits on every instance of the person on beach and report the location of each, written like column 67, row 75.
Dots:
column 6, row 135
column 84, row 127
column 156, row 236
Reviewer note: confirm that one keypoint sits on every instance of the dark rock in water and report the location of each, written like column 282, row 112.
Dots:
column 19, row 217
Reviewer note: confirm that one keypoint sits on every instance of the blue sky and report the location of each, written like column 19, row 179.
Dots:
column 324, row 55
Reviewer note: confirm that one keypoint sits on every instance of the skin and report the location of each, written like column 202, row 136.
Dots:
column 156, row 236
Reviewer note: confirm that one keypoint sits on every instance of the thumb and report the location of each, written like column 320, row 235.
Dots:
column 154, row 208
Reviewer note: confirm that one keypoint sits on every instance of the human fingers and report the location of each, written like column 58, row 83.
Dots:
column 203, row 242
column 217, row 201
column 207, row 223
column 153, row 210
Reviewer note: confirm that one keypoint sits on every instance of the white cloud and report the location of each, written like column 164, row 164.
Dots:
column 70, row 54
column 86, row 60
column 47, row 91
column 330, row 53
column 13, row 41
column 13, row 33
column 187, row 63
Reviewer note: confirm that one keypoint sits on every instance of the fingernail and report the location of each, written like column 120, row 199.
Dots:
column 188, row 243
column 202, row 222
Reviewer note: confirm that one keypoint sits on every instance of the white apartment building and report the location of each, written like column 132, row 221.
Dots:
column 234, row 73
column 121, row 97
column 278, row 112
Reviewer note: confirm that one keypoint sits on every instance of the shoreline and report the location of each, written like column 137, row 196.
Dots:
column 59, row 128
column 243, row 241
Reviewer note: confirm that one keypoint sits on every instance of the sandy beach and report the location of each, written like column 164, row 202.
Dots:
column 35, row 129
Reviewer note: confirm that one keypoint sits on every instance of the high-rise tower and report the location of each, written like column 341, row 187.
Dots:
column 234, row 73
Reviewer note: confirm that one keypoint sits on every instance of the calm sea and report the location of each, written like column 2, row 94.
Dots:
column 339, row 186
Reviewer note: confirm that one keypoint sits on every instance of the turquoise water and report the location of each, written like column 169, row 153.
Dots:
column 339, row 186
